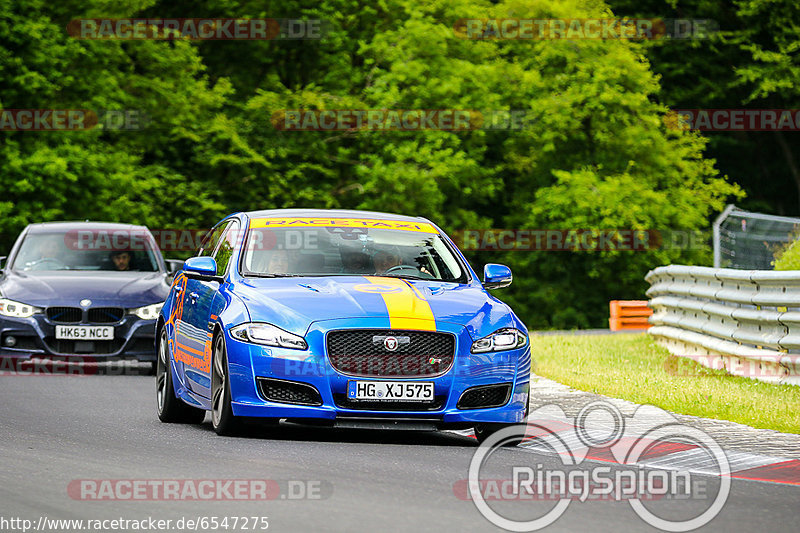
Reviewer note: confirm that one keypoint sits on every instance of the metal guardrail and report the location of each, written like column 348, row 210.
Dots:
column 745, row 321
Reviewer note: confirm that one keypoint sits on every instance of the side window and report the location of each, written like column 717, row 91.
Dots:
column 226, row 247
column 211, row 240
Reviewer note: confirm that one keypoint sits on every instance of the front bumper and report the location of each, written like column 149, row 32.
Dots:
column 248, row 362
column 35, row 337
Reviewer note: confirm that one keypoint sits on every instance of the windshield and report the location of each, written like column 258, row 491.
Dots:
column 67, row 251
column 346, row 247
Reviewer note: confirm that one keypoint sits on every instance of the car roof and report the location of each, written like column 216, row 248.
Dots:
column 331, row 213
column 46, row 227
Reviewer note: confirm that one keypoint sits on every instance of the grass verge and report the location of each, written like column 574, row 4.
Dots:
column 633, row 367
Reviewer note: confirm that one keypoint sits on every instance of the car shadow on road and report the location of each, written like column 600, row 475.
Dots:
column 296, row 432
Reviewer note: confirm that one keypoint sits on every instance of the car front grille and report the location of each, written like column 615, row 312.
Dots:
column 95, row 315
column 365, row 352
column 65, row 315
column 105, row 315
column 485, row 396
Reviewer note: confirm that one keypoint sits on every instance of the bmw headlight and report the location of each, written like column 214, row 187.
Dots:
column 269, row 335
column 17, row 309
column 502, row 339
column 148, row 312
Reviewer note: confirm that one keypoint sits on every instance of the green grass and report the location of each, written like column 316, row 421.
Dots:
column 635, row 368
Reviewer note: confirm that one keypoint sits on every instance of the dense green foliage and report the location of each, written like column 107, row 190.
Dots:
column 788, row 257
column 597, row 156
column 752, row 62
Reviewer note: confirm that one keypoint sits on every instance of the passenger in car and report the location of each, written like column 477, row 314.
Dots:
column 121, row 260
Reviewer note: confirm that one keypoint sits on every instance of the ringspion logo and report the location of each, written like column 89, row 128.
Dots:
column 630, row 443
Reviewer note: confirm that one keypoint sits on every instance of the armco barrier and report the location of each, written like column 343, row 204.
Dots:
column 628, row 314
column 746, row 321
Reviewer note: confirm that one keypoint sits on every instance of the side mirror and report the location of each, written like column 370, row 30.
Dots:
column 496, row 276
column 202, row 267
column 174, row 265
column 3, row 262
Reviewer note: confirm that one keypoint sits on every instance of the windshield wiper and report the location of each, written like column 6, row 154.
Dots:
column 409, row 276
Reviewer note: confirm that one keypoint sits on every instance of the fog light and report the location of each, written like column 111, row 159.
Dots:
column 11, row 341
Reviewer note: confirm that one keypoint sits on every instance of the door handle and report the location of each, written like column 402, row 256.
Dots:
column 193, row 296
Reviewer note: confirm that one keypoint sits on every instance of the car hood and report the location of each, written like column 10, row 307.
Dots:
column 295, row 303
column 68, row 288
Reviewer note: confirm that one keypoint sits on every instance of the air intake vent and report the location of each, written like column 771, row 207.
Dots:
column 279, row 391
column 485, row 396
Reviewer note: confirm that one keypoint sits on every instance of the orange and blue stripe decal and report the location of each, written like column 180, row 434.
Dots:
column 406, row 305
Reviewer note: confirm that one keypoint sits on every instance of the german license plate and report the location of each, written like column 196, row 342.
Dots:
column 397, row 391
column 85, row 333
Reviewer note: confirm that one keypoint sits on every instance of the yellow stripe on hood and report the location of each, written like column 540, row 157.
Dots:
column 407, row 307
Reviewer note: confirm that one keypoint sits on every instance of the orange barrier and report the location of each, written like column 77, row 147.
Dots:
column 628, row 314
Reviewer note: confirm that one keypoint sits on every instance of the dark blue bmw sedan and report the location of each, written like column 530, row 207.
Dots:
column 82, row 288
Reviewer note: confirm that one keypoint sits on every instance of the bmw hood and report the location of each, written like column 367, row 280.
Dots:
column 295, row 303
column 68, row 288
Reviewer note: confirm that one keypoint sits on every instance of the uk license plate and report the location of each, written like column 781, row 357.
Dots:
column 391, row 391
column 85, row 333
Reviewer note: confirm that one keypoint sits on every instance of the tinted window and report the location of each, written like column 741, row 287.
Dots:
column 226, row 246
column 211, row 240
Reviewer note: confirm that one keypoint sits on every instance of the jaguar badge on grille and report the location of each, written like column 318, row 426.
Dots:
column 390, row 343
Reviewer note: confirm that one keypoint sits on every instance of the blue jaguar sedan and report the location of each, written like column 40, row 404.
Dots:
column 85, row 289
column 342, row 318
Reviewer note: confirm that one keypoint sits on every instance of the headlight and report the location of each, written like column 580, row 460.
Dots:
column 502, row 339
column 269, row 335
column 17, row 309
column 148, row 312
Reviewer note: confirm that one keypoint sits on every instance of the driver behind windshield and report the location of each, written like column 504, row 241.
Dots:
column 45, row 253
column 385, row 260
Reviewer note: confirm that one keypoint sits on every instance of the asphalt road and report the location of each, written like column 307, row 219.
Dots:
column 58, row 429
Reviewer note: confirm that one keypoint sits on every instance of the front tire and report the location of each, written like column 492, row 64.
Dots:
column 222, row 419
column 486, row 430
column 171, row 409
